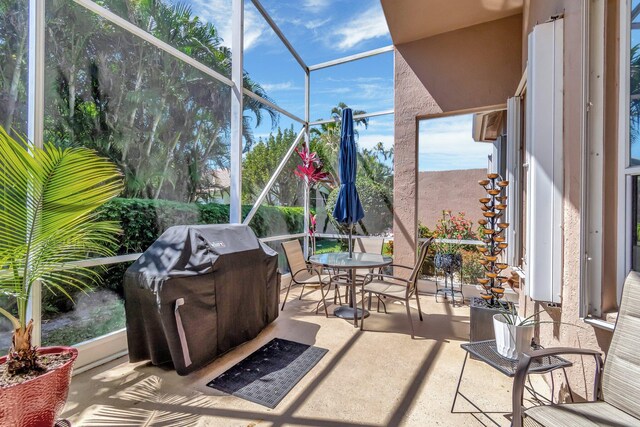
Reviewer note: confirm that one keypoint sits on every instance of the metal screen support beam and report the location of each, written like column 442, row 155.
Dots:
column 307, row 192
column 355, row 117
column 35, row 129
column 280, row 34
column 352, row 58
column 273, row 178
column 140, row 33
column 235, row 168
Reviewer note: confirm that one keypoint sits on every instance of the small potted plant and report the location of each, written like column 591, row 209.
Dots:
column 513, row 333
column 48, row 203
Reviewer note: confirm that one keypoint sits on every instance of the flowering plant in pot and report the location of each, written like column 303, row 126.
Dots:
column 48, row 203
column 450, row 231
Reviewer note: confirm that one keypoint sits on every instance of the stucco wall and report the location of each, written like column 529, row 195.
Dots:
column 455, row 190
column 464, row 70
column 568, row 330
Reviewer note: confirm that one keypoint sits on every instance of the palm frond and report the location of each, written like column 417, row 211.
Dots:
column 48, row 201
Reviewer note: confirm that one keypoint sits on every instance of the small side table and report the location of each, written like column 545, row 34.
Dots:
column 486, row 352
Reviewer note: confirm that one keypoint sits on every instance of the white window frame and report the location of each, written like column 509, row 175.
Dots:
column 625, row 172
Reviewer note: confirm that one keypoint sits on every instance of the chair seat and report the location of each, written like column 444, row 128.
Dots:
column 386, row 288
column 313, row 279
column 589, row 414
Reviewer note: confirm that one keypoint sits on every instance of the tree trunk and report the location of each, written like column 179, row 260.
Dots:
column 166, row 164
column 22, row 355
column 15, row 82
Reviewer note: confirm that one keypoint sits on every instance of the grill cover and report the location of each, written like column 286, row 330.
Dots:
column 197, row 292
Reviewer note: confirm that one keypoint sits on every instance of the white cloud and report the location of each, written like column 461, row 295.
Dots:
column 370, row 140
column 368, row 25
column 218, row 12
column 447, row 144
column 280, row 86
column 316, row 5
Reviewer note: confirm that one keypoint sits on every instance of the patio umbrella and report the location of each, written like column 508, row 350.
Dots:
column 348, row 209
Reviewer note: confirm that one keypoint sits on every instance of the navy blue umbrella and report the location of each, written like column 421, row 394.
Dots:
column 348, row 209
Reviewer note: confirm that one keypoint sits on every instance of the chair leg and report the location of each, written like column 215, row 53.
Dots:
column 301, row 292
column 362, row 318
column 370, row 301
column 287, row 294
column 419, row 309
column 406, row 302
column 324, row 301
column 384, row 306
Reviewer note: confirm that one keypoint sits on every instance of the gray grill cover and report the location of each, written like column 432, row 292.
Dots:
column 197, row 292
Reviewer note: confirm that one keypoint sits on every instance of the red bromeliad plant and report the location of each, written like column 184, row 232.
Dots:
column 310, row 171
column 311, row 168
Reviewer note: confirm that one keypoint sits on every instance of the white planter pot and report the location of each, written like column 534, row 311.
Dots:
column 511, row 340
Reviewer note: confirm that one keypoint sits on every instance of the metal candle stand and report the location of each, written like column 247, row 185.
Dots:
column 448, row 288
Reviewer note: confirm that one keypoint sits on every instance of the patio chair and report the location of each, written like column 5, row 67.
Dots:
column 618, row 399
column 303, row 273
column 396, row 287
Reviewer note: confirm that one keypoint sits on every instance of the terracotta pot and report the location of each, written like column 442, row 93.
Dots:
column 37, row 402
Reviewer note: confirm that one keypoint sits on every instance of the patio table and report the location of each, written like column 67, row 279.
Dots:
column 342, row 261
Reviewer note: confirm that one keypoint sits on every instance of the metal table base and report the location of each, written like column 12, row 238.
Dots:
column 346, row 312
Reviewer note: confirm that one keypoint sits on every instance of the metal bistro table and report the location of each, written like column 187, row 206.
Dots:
column 487, row 353
column 342, row 261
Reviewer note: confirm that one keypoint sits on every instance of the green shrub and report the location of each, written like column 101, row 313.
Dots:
column 377, row 202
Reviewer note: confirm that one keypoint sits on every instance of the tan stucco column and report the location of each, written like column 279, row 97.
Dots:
column 411, row 100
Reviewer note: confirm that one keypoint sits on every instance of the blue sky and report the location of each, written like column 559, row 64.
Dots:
column 323, row 30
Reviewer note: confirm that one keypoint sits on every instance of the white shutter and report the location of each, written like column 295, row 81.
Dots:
column 514, row 192
column 544, row 127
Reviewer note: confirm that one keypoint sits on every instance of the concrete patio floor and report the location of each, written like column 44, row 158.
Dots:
column 379, row 377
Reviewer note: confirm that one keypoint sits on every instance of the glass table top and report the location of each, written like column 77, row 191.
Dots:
column 358, row 260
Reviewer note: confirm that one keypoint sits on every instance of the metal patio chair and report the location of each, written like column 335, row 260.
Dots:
column 617, row 383
column 400, row 288
column 303, row 273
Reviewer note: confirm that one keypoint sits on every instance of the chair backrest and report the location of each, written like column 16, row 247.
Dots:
column 422, row 253
column 295, row 257
column 621, row 376
column 369, row 246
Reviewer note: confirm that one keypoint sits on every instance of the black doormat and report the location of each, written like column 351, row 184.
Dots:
column 269, row 373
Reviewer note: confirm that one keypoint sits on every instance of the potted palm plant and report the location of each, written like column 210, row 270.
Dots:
column 48, row 218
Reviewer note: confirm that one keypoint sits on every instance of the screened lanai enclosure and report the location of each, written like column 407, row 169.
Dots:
column 209, row 109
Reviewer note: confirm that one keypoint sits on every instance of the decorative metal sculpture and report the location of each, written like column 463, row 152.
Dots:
column 493, row 236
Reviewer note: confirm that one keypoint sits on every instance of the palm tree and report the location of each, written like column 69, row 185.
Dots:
column 326, row 140
column 165, row 123
column 48, row 202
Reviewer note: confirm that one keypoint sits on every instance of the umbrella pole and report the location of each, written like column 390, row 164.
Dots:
column 350, row 241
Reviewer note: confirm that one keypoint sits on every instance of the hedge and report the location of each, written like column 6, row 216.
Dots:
column 142, row 221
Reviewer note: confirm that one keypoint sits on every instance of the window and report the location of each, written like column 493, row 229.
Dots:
column 629, row 149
